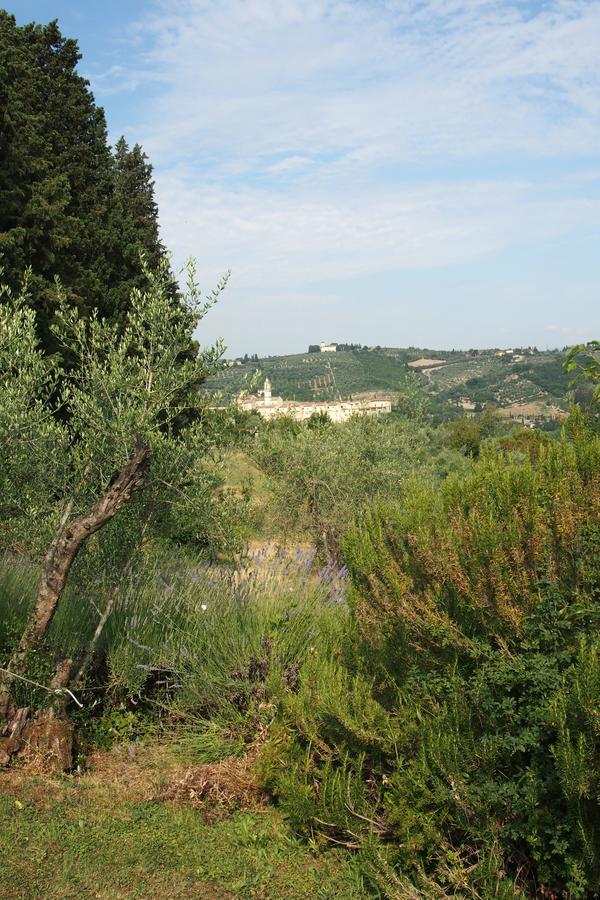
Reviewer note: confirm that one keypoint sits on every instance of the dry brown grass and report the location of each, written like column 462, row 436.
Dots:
column 424, row 361
column 218, row 788
column 144, row 773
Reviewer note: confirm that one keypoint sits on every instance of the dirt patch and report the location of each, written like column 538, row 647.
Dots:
column 219, row 788
column 137, row 770
column 145, row 773
column 173, row 887
column 420, row 363
column 534, row 409
column 40, row 791
column 134, row 771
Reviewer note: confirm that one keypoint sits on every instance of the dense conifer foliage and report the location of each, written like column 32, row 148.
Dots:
column 134, row 226
column 69, row 208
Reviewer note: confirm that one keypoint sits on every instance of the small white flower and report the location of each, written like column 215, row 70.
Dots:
column 203, row 606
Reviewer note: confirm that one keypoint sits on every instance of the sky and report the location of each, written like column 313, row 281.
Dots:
column 396, row 172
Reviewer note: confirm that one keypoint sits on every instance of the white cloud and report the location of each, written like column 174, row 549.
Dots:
column 306, row 141
column 321, row 237
column 434, row 78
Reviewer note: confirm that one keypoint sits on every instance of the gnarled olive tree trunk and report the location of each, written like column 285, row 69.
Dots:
column 63, row 551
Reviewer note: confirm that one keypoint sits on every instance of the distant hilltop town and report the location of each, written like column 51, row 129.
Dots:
column 339, row 380
column 270, row 407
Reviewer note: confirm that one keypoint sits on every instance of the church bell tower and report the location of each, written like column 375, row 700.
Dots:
column 267, row 390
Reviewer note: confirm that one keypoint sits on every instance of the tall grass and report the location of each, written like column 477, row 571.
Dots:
column 71, row 628
column 208, row 646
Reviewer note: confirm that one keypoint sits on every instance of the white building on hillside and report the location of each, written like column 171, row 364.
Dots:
column 270, row 407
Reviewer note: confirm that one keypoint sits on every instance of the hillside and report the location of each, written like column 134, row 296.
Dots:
column 317, row 376
column 528, row 383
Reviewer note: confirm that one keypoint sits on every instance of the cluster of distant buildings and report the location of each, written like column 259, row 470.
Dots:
column 272, row 407
column 516, row 355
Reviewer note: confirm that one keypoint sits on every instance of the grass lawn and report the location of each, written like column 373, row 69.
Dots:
column 104, row 834
column 240, row 471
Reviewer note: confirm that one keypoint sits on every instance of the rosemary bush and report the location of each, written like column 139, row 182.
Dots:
column 452, row 738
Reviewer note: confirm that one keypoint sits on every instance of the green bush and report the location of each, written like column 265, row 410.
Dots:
column 468, row 433
column 322, row 475
column 455, row 727
column 577, row 753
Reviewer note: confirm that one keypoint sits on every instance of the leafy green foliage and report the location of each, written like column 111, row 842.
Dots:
column 582, row 361
column 583, row 365
column 468, row 433
column 130, row 387
column 577, row 751
column 33, row 445
column 456, row 724
column 323, row 474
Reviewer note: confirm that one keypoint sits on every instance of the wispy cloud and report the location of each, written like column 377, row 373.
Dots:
column 307, row 141
column 417, row 79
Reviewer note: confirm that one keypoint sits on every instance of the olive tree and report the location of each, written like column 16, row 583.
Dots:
column 583, row 362
column 125, row 421
column 323, row 474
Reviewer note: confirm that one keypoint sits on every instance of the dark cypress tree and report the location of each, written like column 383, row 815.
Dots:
column 134, row 223
column 134, row 191
column 68, row 207
column 55, row 168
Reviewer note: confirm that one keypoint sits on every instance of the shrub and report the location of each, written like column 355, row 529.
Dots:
column 456, row 726
column 322, row 474
column 468, row 433
column 577, row 753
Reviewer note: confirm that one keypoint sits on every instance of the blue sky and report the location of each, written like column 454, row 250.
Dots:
column 393, row 172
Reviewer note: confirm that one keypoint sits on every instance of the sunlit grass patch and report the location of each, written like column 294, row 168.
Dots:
column 90, row 837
